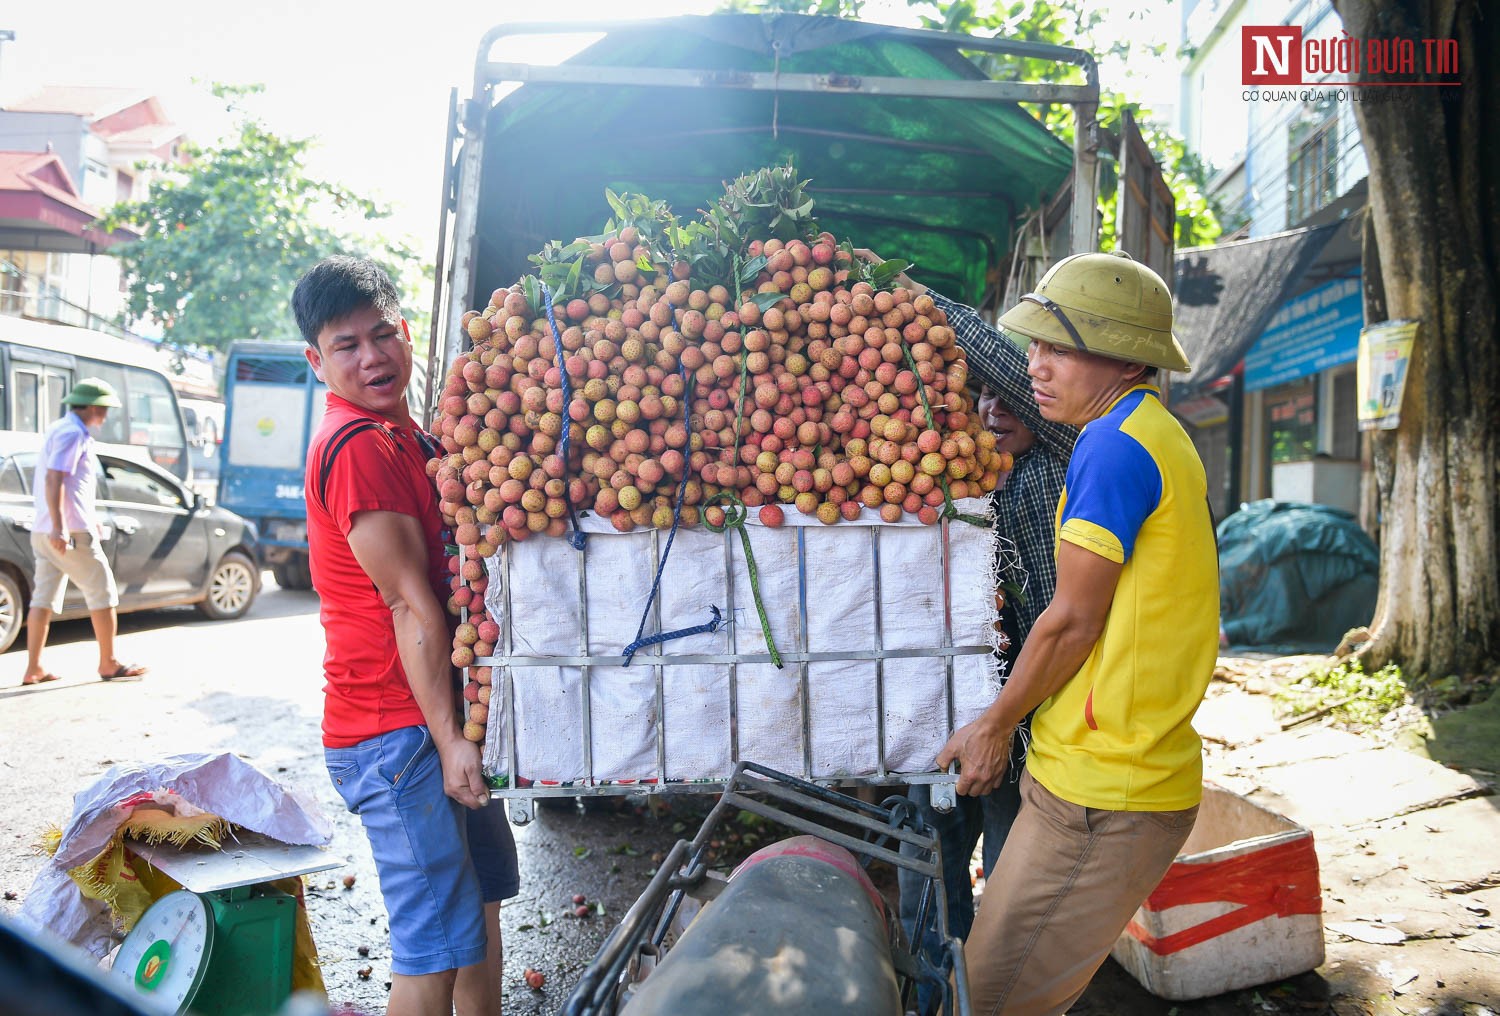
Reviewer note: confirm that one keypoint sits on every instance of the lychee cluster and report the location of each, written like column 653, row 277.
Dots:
column 829, row 397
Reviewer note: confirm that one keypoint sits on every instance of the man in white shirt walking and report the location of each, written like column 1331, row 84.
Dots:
column 66, row 535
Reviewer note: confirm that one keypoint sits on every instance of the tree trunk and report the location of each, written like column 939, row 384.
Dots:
column 1435, row 204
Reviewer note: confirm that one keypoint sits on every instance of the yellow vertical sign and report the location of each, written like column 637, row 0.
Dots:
column 1380, row 372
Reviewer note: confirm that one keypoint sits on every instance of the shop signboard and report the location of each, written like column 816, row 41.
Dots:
column 1312, row 332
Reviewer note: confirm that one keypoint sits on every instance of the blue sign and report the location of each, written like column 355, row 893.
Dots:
column 1312, row 332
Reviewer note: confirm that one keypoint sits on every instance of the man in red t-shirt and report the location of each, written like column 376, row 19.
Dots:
column 392, row 738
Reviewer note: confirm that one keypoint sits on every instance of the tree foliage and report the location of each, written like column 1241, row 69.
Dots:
column 830, row 8
column 224, row 238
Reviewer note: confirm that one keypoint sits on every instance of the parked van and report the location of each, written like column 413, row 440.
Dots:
column 39, row 364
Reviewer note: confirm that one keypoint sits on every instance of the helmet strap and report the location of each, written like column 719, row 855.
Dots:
column 1057, row 312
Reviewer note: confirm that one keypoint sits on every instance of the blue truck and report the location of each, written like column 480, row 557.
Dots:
column 273, row 402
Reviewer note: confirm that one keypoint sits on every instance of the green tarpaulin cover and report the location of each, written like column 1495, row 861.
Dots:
column 1295, row 576
column 941, row 182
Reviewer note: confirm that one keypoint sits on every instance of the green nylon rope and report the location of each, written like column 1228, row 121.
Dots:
column 734, row 518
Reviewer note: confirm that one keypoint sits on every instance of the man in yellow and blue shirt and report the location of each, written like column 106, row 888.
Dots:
column 1116, row 665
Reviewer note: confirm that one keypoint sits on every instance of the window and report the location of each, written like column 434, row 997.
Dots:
column 129, row 482
column 271, row 370
column 1292, row 420
column 55, row 388
column 25, row 394
column 154, row 420
column 124, row 186
column 1312, row 160
column 11, row 481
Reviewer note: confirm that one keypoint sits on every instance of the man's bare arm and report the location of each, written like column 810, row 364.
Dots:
column 1059, row 643
column 390, row 548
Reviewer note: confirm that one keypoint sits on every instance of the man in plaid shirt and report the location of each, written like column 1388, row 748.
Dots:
column 1025, row 509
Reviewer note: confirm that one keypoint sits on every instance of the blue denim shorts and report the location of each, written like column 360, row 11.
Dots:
column 439, row 863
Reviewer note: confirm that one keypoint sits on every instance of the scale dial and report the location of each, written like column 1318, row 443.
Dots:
column 166, row 954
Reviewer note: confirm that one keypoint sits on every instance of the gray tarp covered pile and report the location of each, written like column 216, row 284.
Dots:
column 1295, row 575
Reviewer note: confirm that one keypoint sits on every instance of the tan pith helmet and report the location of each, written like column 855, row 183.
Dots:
column 1107, row 304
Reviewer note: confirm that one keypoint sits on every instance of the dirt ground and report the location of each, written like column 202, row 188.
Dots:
column 1410, row 870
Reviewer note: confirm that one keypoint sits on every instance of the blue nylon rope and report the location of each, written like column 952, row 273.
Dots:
column 718, row 620
column 576, row 537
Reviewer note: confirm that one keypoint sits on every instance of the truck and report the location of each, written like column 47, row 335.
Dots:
column 911, row 149
column 273, row 403
column 909, row 146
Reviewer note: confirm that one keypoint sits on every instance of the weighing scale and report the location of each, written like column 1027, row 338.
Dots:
column 223, row 944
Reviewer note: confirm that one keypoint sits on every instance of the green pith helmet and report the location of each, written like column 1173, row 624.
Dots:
column 92, row 391
column 1107, row 304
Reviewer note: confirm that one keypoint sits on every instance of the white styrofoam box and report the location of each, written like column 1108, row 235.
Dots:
column 1240, row 906
column 818, row 585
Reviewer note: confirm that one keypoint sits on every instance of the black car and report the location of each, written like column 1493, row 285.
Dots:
column 165, row 545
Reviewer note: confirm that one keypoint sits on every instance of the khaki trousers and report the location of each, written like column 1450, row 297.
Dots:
column 1068, row 881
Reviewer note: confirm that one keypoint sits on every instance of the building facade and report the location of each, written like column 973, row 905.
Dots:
column 1280, row 420
column 66, row 155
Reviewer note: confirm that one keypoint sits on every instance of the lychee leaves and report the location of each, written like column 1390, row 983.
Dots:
column 882, row 276
column 561, row 268
column 769, row 202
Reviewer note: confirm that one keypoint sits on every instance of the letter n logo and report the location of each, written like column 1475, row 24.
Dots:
column 1271, row 54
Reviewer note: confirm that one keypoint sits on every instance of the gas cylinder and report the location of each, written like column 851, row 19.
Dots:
column 798, row 929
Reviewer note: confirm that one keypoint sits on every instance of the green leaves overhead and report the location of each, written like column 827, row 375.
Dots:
column 1087, row 26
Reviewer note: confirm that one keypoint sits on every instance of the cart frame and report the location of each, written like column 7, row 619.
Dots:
column 877, row 833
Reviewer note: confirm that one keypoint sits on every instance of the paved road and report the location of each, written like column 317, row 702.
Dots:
column 253, row 687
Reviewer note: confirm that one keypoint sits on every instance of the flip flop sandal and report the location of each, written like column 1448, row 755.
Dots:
column 27, row 682
column 125, row 671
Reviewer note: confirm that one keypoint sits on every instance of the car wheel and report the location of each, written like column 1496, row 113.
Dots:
column 231, row 588
column 12, row 609
column 293, row 573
